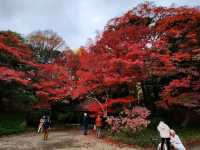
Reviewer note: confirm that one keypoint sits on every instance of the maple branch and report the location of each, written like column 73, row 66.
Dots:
column 100, row 104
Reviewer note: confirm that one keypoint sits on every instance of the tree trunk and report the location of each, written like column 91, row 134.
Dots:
column 186, row 119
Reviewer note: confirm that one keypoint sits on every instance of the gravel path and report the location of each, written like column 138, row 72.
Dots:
column 59, row 140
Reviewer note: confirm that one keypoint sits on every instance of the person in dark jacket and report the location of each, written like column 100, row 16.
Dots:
column 85, row 123
column 46, row 126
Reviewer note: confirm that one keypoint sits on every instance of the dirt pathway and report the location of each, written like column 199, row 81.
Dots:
column 59, row 140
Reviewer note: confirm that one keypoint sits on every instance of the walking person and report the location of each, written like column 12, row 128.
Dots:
column 85, row 123
column 98, row 124
column 40, row 126
column 46, row 126
column 175, row 141
column 164, row 134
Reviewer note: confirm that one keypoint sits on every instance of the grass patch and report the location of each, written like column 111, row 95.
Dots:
column 144, row 138
column 189, row 135
column 149, row 137
column 11, row 123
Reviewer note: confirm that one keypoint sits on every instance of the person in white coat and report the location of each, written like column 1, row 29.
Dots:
column 175, row 141
column 164, row 131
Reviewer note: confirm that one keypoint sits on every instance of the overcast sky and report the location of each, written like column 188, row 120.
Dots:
column 74, row 20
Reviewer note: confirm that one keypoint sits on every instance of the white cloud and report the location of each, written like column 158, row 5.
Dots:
column 74, row 20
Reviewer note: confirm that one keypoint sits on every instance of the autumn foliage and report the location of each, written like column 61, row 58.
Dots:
column 14, row 55
column 107, row 106
column 146, row 42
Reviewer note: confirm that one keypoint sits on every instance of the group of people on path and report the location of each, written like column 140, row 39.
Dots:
column 168, row 138
column 44, row 125
column 98, row 124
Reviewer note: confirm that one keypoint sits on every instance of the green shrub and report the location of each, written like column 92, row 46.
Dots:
column 142, row 138
column 11, row 123
column 68, row 117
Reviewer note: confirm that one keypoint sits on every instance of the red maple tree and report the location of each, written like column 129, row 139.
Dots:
column 16, row 57
column 146, row 41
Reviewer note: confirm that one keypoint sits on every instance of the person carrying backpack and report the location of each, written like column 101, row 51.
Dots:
column 46, row 126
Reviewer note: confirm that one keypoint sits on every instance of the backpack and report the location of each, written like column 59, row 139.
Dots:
column 46, row 124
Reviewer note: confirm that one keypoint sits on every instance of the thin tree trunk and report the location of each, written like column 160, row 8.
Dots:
column 186, row 120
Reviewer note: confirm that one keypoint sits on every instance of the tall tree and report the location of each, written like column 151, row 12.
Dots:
column 46, row 45
column 16, row 71
column 147, row 42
